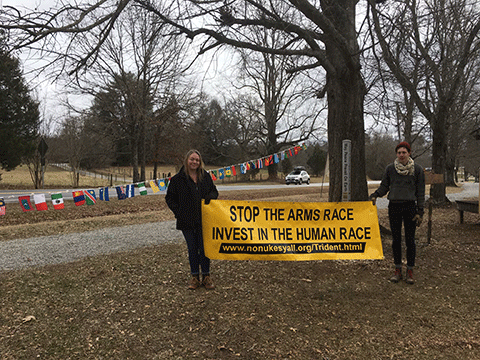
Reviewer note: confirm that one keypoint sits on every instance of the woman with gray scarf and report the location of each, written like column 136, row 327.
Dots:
column 404, row 181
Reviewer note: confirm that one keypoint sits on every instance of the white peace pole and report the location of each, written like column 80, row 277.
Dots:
column 346, row 169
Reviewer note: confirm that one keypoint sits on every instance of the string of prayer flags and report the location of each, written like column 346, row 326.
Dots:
column 90, row 197
column 142, row 188
column 57, row 201
column 25, row 203
column 78, row 197
column 2, row 206
column 81, row 197
column 104, row 196
column 130, row 190
column 268, row 160
column 40, row 202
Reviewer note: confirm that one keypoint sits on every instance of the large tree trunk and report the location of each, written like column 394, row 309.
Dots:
column 345, row 122
column 345, row 95
column 439, row 152
column 450, row 173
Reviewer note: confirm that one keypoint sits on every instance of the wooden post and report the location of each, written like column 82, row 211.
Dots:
column 431, row 178
column 429, row 231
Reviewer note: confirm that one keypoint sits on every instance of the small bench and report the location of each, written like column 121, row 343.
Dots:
column 466, row 205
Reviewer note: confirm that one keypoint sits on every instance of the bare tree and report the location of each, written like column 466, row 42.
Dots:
column 246, row 110
column 145, row 60
column 289, row 114
column 74, row 145
column 323, row 33
column 444, row 34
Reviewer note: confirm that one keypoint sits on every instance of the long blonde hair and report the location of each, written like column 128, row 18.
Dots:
column 200, row 169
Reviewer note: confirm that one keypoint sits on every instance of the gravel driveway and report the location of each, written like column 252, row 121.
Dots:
column 56, row 249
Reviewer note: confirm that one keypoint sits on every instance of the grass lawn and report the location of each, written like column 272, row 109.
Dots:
column 135, row 305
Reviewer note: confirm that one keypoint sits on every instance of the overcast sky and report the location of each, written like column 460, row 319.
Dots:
column 214, row 74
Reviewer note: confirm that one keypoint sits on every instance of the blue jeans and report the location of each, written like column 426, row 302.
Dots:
column 402, row 214
column 196, row 253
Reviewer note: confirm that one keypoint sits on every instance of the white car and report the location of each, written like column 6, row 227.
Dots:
column 298, row 177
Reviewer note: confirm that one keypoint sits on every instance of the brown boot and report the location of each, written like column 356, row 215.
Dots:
column 208, row 283
column 397, row 276
column 409, row 279
column 194, row 283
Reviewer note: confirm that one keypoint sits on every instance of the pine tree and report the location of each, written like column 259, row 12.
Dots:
column 19, row 114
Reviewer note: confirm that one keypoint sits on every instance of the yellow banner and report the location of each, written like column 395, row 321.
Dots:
column 257, row 230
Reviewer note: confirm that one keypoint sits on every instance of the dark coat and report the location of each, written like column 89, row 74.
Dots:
column 184, row 198
column 403, row 187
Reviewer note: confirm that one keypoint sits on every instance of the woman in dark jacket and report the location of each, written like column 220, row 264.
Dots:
column 404, row 181
column 184, row 197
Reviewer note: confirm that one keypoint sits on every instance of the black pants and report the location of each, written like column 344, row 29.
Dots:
column 402, row 213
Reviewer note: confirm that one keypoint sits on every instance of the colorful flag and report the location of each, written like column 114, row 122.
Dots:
column 40, row 202
column 142, row 188
column 243, row 168
column 290, row 152
column 282, row 155
column 234, row 172
column 25, row 203
column 162, row 185
column 221, row 173
column 269, row 159
column 304, row 146
column 78, row 197
column 104, row 194
column 275, row 158
column 154, row 186
column 57, row 201
column 90, row 197
column 260, row 163
column 296, row 149
column 228, row 171
column 2, row 206
column 130, row 190
column 213, row 174
column 121, row 193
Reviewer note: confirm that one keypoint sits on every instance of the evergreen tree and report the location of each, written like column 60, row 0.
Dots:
column 317, row 160
column 19, row 114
